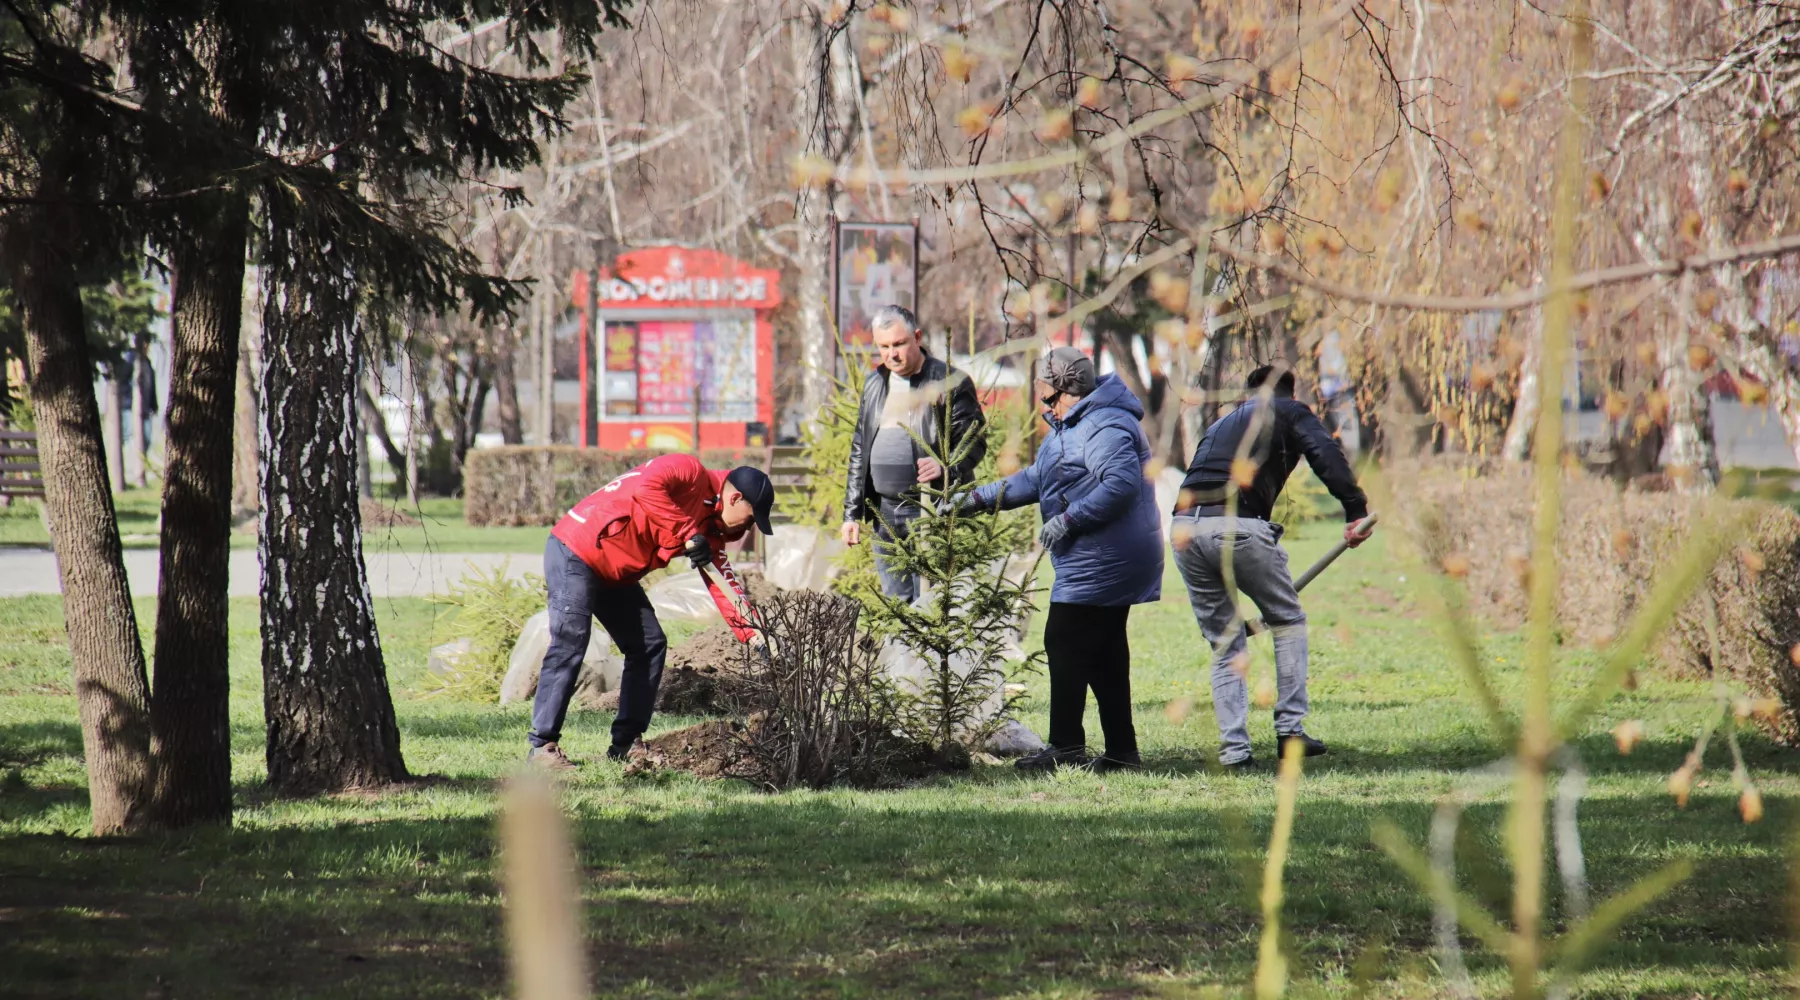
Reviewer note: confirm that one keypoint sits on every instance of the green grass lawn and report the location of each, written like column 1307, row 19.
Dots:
column 980, row 885
column 140, row 512
column 441, row 528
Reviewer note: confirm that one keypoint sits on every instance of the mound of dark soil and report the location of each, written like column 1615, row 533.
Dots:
column 758, row 587
column 713, row 649
column 716, row 749
column 726, row 748
column 708, row 675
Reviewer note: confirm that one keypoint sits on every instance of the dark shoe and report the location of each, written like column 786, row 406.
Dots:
column 1314, row 748
column 620, row 751
column 550, row 757
column 1245, row 766
column 1123, row 762
column 1051, row 758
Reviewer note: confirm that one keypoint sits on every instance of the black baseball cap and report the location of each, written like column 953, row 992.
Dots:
column 756, row 487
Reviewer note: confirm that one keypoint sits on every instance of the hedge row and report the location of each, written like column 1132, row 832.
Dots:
column 1613, row 545
column 517, row 485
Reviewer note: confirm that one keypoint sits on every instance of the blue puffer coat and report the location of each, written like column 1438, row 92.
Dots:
column 1092, row 468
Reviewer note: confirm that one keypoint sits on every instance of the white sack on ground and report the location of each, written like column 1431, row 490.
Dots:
column 1014, row 739
column 601, row 667
column 682, row 596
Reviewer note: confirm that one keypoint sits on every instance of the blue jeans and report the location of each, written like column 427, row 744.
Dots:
column 1259, row 567
column 899, row 515
column 577, row 597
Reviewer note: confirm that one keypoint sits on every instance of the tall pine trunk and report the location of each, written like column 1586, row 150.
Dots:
column 190, row 710
column 329, row 715
column 111, row 687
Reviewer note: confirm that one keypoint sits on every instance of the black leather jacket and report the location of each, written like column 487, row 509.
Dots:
column 965, row 416
column 1288, row 431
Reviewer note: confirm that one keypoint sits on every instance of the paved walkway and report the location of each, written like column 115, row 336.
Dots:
column 33, row 571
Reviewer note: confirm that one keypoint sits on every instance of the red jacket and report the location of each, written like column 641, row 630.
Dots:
column 642, row 520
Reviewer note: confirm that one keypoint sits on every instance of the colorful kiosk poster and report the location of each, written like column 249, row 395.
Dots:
column 684, row 344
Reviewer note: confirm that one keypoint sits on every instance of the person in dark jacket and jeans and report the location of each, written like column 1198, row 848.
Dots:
column 1254, row 449
column 901, row 398
column 1105, row 542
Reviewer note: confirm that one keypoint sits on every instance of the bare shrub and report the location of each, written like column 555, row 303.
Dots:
column 828, row 715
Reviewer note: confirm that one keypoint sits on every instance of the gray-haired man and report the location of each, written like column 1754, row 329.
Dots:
column 902, row 406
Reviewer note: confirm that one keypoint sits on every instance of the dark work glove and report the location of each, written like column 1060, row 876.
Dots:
column 699, row 552
column 964, row 504
column 1054, row 531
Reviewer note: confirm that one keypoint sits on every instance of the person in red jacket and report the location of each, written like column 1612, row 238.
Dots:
column 670, row 507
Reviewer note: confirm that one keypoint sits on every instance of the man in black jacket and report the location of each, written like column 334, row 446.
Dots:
column 1238, row 470
column 905, row 396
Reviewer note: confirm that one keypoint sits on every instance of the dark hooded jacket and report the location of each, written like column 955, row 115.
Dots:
column 1091, row 468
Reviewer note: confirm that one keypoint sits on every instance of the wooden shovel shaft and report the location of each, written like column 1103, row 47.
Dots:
column 1256, row 626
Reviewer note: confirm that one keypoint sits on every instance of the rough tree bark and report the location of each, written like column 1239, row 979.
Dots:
column 189, row 702
column 111, row 687
column 1688, row 449
column 329, row 715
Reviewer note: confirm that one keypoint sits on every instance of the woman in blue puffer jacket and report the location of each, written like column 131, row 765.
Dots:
column 1105, row 543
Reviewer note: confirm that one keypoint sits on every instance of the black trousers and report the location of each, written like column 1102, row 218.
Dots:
column 1087, row 648
column 577, row 597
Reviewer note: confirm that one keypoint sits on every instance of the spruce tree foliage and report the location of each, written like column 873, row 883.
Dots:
column 976, row 598
column 118, row 313
column 354, row 236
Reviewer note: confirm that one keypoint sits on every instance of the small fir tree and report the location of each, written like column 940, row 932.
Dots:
column 974, row 600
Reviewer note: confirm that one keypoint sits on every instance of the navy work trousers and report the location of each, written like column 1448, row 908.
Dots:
column 577, row 597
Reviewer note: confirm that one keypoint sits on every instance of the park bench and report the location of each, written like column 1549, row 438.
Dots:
column 21, row 474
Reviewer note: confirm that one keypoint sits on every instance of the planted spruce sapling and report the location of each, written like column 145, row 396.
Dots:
column 976, row 595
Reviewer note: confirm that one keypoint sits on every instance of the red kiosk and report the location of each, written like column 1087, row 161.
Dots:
column 679, row 346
